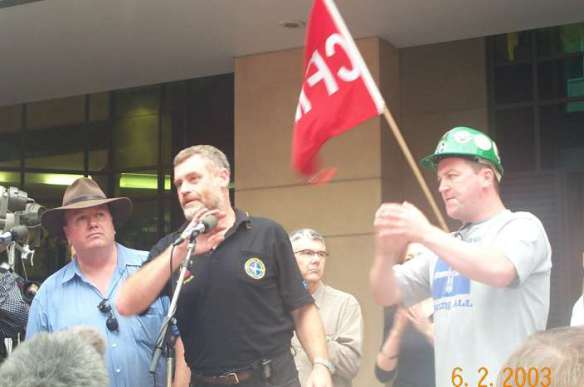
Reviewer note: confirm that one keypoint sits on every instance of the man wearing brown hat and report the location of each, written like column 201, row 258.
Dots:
column 81, row 293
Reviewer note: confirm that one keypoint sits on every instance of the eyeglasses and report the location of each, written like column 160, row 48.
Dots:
column 312, row 253
column 112, row 322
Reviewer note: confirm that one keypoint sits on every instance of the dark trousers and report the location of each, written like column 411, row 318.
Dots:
column 284, row 374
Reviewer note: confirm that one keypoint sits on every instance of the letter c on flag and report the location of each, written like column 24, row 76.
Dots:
column 343, row 73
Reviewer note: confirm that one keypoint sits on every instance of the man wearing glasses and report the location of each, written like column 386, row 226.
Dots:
column 340, row 312
column 81, row 293
column 490, row 281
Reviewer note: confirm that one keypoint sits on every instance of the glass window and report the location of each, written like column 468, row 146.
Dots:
column 121, row 140
column 172, row 213
column 56, row 112
column 547, row 40
column 99, row 107
column 138, row 101
column 513, row 47
column 10, row 132
column 562, row 133
column 141, row 230
column 561, row 78
column 55, row 148
column 559, row 66
column 9, row 150
column 166, row 140
column 572, row 38
column 99, row 144
column 48, row 186
column 556, row 41
column 515, row 138
column 141, row 183
column 104, row 182
column 513, row 84
column 9, row 178
column 10, row 118
column 175, row 119
column 136, row 142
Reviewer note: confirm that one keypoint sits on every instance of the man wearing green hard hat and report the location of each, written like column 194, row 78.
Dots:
column 490, row 280
column 466, row 143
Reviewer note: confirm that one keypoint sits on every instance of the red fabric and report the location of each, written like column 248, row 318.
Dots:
column 333, row 110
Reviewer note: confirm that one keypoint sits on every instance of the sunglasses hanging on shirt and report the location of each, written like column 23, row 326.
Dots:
column 112, row 322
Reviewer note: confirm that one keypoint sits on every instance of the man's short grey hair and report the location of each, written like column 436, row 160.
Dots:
column 307, row 233
column 558, row 352
column 209, row 152
column 69, row 358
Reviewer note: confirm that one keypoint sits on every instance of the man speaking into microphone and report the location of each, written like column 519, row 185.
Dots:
column 237, row 313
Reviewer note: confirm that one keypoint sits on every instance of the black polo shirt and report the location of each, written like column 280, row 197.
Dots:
column 235, row 309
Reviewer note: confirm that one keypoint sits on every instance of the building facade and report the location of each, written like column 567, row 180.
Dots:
column 526, row 89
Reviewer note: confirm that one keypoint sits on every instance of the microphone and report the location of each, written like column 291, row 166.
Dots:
column 15, row 234
column 205, row 225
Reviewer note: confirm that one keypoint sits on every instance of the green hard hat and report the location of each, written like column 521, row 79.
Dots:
column 468, row 143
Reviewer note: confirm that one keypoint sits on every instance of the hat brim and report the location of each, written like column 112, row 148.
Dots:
column 431, row 161
column 428, row 162
column 54, row 219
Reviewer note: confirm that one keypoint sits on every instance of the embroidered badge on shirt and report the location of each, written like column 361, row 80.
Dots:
column 255, row 268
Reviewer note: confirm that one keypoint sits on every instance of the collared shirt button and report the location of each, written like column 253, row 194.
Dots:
column 118, row 370
column 114, row 345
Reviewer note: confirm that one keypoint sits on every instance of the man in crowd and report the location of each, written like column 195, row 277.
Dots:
column 554, row 358
column 14, row 305
column 406, row 356
column 81, row 293
column 490, row 280
column 340, row 312
column 577, row 317
column 237, row 312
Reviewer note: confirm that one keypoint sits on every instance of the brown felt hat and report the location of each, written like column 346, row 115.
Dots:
column 84, row 193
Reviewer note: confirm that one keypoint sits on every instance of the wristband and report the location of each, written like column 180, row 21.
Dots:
column 324, row 362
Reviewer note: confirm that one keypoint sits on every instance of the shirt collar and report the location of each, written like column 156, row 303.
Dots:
column 71, row 270
column 319, row 294
column 242, row 219
column 473, row 224
column 124, row 259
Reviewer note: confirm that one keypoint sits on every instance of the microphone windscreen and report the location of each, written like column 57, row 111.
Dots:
column 65, row 359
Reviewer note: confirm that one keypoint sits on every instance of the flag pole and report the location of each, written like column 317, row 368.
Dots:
column 414, row 166
column 377, row 98
column 380, row 104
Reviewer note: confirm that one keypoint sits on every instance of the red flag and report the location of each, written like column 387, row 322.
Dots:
column 338, row 91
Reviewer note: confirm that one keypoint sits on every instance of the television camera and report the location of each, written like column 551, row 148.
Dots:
column 20, row 218
column 19, row 230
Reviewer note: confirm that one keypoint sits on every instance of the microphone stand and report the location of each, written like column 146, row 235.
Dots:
column 166, row 340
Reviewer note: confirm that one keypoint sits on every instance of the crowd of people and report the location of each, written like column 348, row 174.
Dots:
column 465, row 308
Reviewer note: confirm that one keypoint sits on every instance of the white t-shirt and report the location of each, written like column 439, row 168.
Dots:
column 475, row 325
column 578, row 313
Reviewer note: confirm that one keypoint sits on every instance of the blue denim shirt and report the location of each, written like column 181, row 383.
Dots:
column 67, row 299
